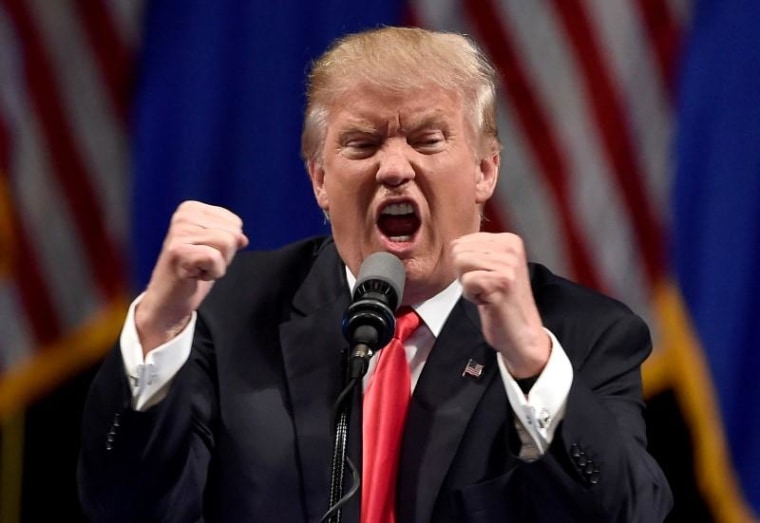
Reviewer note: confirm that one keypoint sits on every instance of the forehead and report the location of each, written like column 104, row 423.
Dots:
column 372, row 106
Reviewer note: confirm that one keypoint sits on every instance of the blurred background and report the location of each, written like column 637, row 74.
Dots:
column 631, row 163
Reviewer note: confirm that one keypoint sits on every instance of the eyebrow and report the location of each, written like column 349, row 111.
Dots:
column 435, row 120
column 358, row 128
column 366, row 127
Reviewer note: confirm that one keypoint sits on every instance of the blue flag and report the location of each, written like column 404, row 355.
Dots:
column 716, row 202
column 218, row 111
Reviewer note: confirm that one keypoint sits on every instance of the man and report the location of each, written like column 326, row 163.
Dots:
column 526, row 401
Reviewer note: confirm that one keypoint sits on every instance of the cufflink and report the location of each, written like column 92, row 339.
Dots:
column 543, row 419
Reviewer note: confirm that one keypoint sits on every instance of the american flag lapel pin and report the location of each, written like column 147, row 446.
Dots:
column 473, row 368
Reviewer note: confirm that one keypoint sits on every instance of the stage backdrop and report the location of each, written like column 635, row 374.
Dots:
column 630, row 163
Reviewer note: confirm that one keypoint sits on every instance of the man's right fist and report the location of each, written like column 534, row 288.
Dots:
column 201, row 243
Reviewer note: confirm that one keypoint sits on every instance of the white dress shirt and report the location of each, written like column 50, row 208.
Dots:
column 538, row 413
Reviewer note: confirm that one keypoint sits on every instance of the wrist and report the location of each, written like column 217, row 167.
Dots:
column 153, row 330
column 529, row 363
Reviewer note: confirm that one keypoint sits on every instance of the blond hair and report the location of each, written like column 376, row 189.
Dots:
column 399, row 59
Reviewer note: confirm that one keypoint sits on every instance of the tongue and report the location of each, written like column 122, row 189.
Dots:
column 398, row 225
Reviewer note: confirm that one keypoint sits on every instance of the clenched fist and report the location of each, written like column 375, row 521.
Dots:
column 493, row 271
column 199, row 246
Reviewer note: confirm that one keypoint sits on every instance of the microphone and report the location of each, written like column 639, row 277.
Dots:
column 369, row 323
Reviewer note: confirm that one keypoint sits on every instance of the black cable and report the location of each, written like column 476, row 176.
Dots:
column 341, row 418
column 338, row 464
column 355, row 484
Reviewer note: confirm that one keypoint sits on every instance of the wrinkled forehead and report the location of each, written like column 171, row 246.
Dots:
column 362, row 104
column 400, row 79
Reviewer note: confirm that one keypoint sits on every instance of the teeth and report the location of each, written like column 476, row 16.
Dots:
column 396, row 209
column 400, row 238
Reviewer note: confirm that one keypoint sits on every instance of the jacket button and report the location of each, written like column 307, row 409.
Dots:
column 111, row 436
column 594, row 478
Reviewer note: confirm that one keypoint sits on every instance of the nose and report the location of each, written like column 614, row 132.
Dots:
column 395, row 167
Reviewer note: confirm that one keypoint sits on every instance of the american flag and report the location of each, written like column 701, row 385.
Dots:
column 473, row 368
column 586, row 120
column 65, row 85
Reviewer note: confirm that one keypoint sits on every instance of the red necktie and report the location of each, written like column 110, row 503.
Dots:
column 386, row 401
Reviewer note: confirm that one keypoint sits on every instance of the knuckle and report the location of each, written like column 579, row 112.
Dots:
column 187, row 206
column 174, row 249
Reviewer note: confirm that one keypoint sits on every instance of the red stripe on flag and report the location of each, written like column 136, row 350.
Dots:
column 409, row 15
column 105, row 263
column 4, row 147
column 665, row 36
column 112, row 56
column 35, row 297
column 607, row 111
column 25, row 272
column 535, row 124
column 495, row 218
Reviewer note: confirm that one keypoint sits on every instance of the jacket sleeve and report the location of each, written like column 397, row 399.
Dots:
column 597, row 467
column 142, row 466
column 601, row 444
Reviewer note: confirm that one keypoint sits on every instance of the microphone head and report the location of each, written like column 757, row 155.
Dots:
column 381, row 276
column 379, row 288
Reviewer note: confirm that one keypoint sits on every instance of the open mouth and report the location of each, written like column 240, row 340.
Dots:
column 398, row 222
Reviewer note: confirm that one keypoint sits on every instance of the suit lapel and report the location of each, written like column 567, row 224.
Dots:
column 312, row 343
column 441, row 407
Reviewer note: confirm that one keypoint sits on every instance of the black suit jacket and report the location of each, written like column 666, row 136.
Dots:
column 245, row 433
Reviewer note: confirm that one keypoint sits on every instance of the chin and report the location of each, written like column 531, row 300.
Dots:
column 420, row 284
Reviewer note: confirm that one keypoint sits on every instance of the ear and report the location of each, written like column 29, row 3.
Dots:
column 317, row 175
column 488, row 174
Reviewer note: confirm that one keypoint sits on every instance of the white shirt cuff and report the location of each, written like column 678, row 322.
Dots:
column 150, row 377
column 543, row 408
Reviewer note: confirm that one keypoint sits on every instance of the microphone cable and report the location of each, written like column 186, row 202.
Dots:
column 341, row 411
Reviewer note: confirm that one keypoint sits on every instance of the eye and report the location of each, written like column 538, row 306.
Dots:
column 361, row 147
column 428, row 141
column 360, row 144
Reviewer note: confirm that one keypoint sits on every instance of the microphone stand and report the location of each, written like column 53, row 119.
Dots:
column 368, row 324
column 357, row 365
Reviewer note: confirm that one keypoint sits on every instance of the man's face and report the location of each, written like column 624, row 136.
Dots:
column 399, row 173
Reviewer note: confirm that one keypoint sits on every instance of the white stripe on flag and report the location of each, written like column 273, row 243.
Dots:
column 626, row 46
column 128, row 17
column 43, row 211
column 554, row 73
column 525, row 193
column 17, row 340
column 94, row 126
